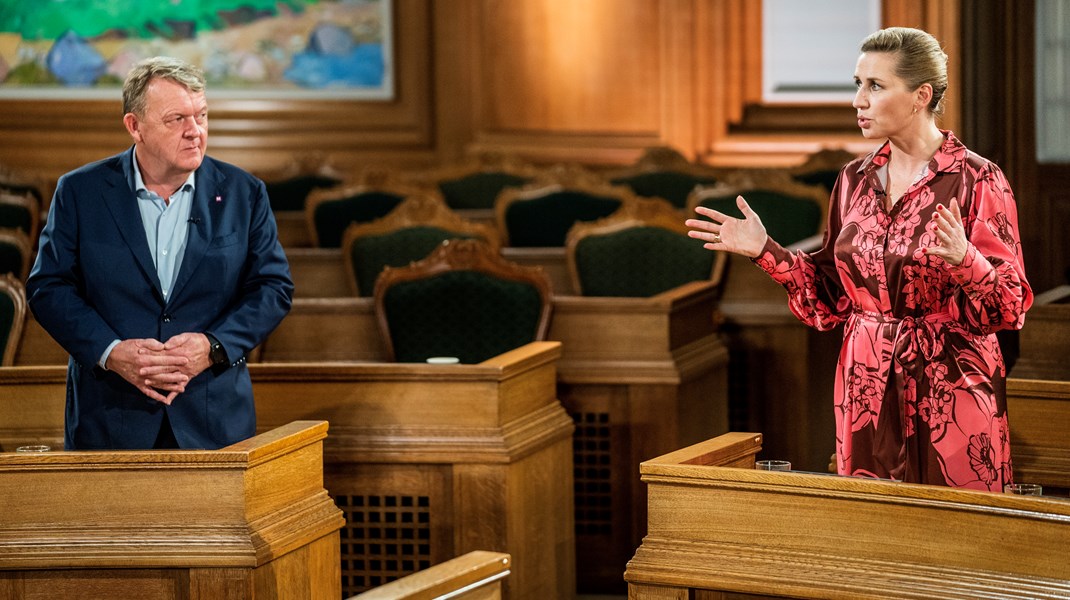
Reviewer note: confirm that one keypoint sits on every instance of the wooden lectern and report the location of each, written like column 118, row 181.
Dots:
column 803, row 535
column 251, row 520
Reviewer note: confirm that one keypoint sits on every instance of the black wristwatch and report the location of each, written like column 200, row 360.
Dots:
column 216, row 353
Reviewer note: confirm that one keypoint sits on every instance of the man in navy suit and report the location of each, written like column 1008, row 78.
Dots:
column 158, row 271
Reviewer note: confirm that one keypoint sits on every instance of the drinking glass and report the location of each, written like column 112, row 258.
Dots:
column 772, row 465
column 1023, row 489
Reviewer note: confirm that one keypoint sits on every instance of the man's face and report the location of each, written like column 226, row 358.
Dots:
column 172, row 135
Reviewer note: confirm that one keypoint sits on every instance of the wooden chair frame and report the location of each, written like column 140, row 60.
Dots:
column 13, row 288
column 376, row 184
column 642, row 212
column 571, row 181
column 461, row 255
column 30, row 204
column 19, row 238
column 420, row 210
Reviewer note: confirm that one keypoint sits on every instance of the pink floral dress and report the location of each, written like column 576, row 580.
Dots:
column 920, row 393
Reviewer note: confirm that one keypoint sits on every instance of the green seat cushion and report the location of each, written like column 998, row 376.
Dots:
column 290, row 194
column 668, row 185
column 333, row 216
column 787, row 219
column 478, row 190
column 394, row 249
column 467, row 314
column 640, row 262
column 545, row 221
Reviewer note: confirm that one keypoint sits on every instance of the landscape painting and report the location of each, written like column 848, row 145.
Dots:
column 247, row 48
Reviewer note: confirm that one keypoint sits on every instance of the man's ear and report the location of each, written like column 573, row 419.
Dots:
column 133, row 126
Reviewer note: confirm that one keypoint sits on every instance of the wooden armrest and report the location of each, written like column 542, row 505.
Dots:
column 466, row 572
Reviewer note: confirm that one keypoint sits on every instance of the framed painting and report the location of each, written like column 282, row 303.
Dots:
column 248, row 49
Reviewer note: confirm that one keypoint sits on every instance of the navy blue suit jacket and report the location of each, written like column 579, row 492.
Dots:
column 94, row 282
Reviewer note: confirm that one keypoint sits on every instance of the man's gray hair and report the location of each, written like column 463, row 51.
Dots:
column 158, row 67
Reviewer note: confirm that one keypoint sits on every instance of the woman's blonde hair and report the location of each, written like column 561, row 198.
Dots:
column 919, row 59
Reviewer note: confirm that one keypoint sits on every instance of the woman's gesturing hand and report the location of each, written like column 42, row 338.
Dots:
column 744, row 236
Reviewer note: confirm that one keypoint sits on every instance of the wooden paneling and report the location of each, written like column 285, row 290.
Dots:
column 801, row 535
column 102, row 525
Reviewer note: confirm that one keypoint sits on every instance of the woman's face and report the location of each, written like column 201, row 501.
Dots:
column 884, row 103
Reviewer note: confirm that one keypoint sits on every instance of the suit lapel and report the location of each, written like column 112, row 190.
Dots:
column 204, row 218
column 121, row 201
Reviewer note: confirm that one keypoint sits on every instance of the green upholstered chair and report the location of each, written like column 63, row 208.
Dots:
column 409, row 233
column 540, row 214
column 291, row 193
column 329, row 212
column 822, row 168
column 475, row 183
column 15, row 252
column 662, row 172
column 464, row 301
column 790, row 211
column 12, row 317
column 20, row 211
column 289, row 186
column 639, row 251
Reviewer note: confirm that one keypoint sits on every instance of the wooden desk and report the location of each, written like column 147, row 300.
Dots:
column 639, row 376
column 718, row 528
column 1038, row 411
column 426, row 461
column 251, row 520
column 293, row 229
column 326, row 330
column 1042, row 342
column 37, row 347
column 782, row 372
column 551, row 260
column 318, row 273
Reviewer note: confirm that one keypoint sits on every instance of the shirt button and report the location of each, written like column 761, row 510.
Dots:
column 164, row 252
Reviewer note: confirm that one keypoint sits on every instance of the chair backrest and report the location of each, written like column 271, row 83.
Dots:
column 476, row 183
column 289, row 186
column 12, row 317
column 464, row 301
column 20, row 211
column 540, row 214
column 329, row 212
column 662, row 172
column 408, row 233
column 641, row 250
column 15, row 252
column 822, row 167
column 790, row 211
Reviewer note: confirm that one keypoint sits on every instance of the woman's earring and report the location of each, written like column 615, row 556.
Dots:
column 915, row 111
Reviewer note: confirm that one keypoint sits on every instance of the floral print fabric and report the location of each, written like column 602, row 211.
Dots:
column 920, row 378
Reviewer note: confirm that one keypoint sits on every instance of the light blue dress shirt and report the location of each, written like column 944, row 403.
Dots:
column 166, row 225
